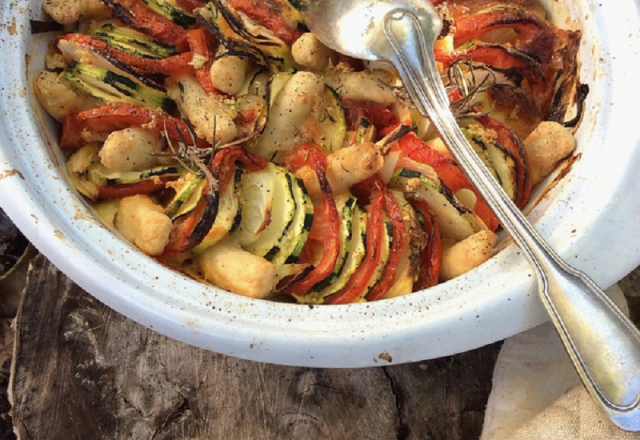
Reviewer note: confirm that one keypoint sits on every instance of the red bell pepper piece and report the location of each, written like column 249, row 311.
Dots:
column 148, row 66
column 76, row 127
column 325, row 228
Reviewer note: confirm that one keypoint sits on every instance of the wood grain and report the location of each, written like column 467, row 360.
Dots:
column 82, row 371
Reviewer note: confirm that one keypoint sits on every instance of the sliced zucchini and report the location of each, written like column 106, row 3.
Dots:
column 295, row 237
column 129, row 40
column 169, row 10
column 454, row 220
column 237, row 32
column 356, row 253
column 98, row 174
column 385, row 253
column 280, row 181
column 227, row 216
column 365, row 132
column 409, row 264
column 185, row 187
column 502, row 163
column 112, row 87
column 346, row 206
column 332, row 128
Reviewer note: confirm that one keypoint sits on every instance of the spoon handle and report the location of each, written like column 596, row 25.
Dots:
column 602, row 343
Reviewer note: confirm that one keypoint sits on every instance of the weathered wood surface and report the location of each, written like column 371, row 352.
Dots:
column 82, row 371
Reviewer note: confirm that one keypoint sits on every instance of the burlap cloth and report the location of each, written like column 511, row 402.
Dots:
column 537, row 395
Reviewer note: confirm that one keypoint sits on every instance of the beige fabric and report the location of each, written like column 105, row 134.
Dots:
column 537, row 395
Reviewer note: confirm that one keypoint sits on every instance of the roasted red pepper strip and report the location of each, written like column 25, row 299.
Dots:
column 136, row 14
column 358, row 281
column 394, row 212
column 325, row 228
column 448, row 170
column 507, row 138
column 148, row 66
column 431, row 255
column 78, row 128
column 129, row 189
column 267, row 15
column 197, row 40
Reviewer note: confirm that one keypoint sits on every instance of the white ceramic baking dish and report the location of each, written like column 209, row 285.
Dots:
column 592, row 218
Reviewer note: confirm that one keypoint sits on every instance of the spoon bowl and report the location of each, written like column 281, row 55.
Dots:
column 602, row 343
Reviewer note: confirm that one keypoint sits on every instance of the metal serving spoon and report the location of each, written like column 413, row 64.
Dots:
column 602, row 343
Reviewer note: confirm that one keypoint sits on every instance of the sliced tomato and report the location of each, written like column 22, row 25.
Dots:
column 148, row 66
column 266, row 13
column 325, row 228
column 79, row 128
column 431, row 255
column 136, row 14
column 381, row 117
column 226, row 160
column 190, row 5
column 507, row 138
column 474, row 26
column 199, row 46
column 394, row 212
column 189, row 230
column 449, row 171
column 129, row 189
column 358, row 281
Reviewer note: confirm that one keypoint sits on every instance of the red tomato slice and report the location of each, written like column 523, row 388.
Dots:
column 358, row 281
column 129, row 189
column 474, row 26
column 383, row 118
column 190, row 5
column 508, row 139
column 225, row 162
column 136, row 14
column 268, row 16
column 189, row 230
column 431, row 255
column 166, row 66
column 326, row 222
column 448, row 170
column 117, row 116
column 197, row 40
column 393, row 210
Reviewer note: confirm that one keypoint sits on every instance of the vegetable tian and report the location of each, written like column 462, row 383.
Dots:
column 225, row 140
